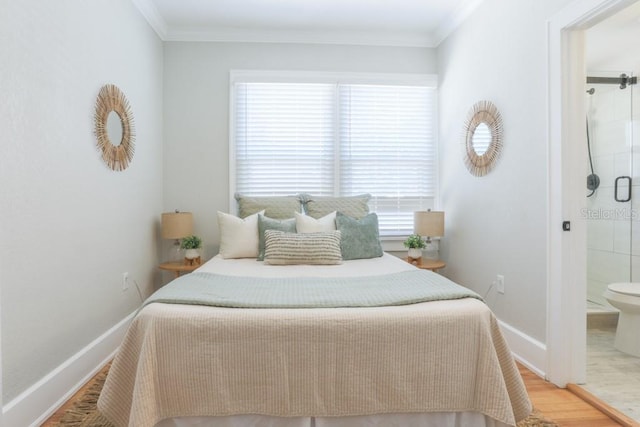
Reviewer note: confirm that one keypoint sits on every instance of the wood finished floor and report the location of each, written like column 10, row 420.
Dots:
column 562, row 406
column 55, row 418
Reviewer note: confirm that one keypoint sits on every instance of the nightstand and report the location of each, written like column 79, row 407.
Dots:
column 178, row 267
column 428, row 264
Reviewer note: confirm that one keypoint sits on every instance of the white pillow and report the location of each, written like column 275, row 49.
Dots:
column 307, row 224
column 238, row 237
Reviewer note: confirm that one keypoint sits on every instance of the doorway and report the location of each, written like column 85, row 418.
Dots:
column 612, row 247
column 567, row 289
column 613, row 227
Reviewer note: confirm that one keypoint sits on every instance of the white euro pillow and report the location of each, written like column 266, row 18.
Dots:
column 308, row 224
column 238, row 237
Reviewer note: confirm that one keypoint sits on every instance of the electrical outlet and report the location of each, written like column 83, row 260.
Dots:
column 500, row 283
column 125, row 281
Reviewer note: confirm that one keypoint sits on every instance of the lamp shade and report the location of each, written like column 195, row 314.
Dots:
column 176, row 225
column 428, row 223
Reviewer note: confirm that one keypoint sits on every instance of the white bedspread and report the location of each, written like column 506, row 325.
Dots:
column 359, row 267
column 441, row 356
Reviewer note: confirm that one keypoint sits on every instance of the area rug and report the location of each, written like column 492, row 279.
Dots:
column 84, row 413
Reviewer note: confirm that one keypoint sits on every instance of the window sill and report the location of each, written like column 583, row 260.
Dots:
column 393, row 244
column 396, row 244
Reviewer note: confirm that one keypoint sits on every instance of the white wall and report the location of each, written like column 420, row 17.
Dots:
column 70, row 226
column 497, row 224
column 196, row 104
column 607, row 43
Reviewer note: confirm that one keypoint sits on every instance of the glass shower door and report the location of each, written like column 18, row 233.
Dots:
column 612, row 250
column 634, row 138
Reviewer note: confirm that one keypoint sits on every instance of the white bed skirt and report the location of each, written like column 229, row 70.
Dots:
column 436, row 419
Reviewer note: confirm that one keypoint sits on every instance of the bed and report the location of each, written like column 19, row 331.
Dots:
column 436, row 363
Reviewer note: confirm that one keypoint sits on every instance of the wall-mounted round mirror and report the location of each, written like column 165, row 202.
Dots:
column 114, row 127
column 482, row 138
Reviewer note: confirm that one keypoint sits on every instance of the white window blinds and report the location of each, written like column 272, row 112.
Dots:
column 284, row 138
column 387, row 148
column 338, row 139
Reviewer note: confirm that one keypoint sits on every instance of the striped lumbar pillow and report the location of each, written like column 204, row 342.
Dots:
column 283, row 248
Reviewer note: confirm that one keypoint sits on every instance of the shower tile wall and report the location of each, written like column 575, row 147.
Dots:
column 612, row 252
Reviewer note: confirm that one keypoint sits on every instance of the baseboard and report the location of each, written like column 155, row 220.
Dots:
column 526, row 350
column 33, row 406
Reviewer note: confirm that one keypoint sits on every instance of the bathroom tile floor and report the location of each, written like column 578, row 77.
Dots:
column 612, row 376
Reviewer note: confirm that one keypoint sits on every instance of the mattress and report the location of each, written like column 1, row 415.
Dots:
column 436, row 363
column 354, row 268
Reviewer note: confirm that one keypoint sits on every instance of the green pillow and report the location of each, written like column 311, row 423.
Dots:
column 277, row 207
column 302, row 248
column 360, row 237
column 265, row 223
column 354, row 206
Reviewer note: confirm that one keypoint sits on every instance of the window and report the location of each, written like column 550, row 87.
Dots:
column 284, row 138
column 331, row 135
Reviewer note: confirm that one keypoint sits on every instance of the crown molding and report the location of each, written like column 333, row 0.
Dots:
column 150, row 12
column 453, row 21
column 344, row 37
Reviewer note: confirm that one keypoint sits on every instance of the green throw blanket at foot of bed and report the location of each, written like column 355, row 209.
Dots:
column 407, row 287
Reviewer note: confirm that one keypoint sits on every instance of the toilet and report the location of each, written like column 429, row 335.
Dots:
column 625, row 297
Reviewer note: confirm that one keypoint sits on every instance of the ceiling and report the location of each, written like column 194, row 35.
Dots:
column 423, row 23
column 608, row 42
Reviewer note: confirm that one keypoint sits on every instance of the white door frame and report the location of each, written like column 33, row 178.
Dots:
column 1, row 391
column 566, row 251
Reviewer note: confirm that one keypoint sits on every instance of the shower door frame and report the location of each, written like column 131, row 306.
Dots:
column 566, row 251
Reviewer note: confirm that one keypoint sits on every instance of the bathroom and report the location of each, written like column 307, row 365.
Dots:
column 612, row 99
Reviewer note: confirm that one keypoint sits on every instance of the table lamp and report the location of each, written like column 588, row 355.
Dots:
column 429, row 224
column 176, row 225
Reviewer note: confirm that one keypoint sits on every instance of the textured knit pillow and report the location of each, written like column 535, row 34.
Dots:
column 281, row 207
column 265, row 223
column 360, row 237
column 354, row 206
column 309, row 224
column 238, row 237
column 312, row 248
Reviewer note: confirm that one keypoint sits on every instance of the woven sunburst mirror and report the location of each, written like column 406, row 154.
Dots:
column 482, row 138
column 117, row 147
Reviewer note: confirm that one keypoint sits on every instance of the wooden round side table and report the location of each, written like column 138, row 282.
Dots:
column 177, row 267
column 427, row 264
